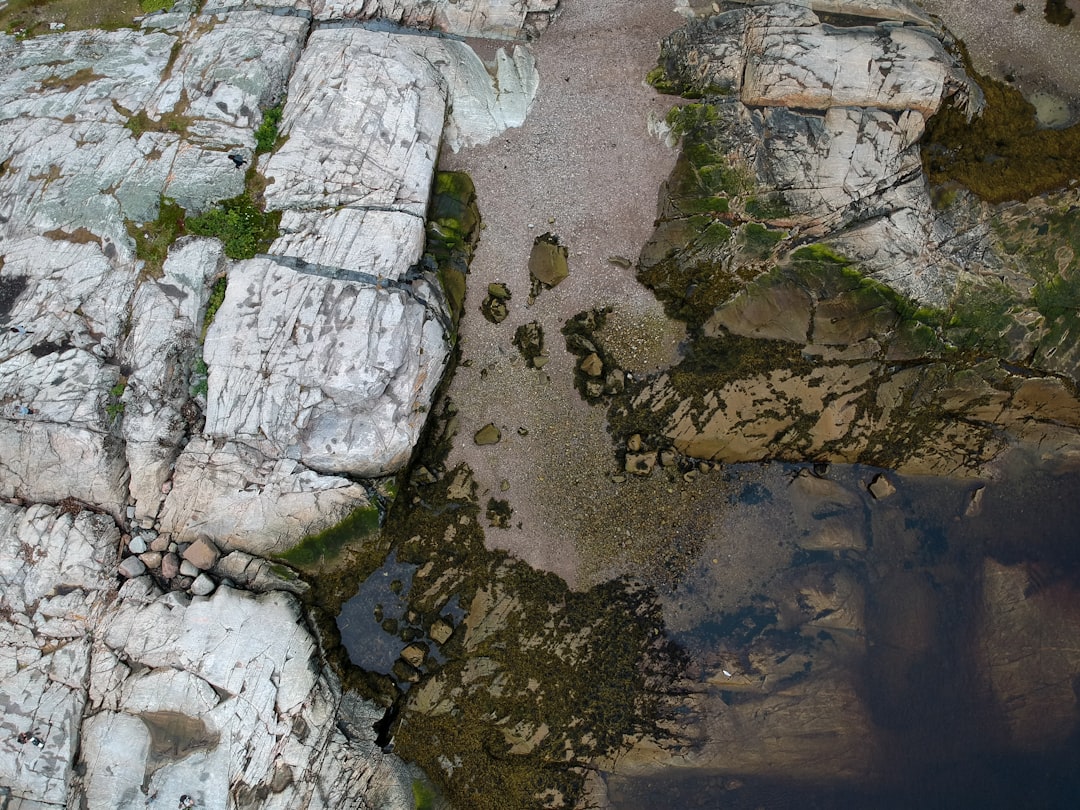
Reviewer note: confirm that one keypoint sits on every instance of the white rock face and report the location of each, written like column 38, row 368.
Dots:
column 245, row 500
column 328, row 371
column 229, row 70
column 217, row 697
column 496, row 19
column 56, row 576
column 167, row 318
column 363, row 124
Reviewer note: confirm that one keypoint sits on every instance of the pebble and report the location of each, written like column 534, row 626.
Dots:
column 131, row 513
column 151, row 559
column 131, row 567
column 203, row 585
column 159, row 544
column 188, row 570
column 170, row 565
column 137, row 545
column 203, row 554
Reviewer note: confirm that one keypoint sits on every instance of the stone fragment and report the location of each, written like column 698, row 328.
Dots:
column 188, row 569
column 488, row 434
column 203, row 554
column 170, row 565
column 634, row 443
column 547, row 262
column 592, row 365
column 974, row 507
column 151, row 559
column 881, row 487
column 137, row 544
column 414, row 655
column 440, row 631
column 640, row 463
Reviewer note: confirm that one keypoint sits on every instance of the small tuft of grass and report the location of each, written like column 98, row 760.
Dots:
column 266, row 134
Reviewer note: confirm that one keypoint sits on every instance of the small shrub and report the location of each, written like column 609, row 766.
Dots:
column 266, row 135
column 239, row 224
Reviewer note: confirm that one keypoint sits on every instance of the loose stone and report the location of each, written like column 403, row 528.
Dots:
column 170, row 565
column 547, row 262
column 151, row 559
column 592, row 365
column 137, row 545
column 131, row 567
column 414, row 655
column 440, row 631
column 881, row 487
column 188, row 570
column 488, row 434
column 202, row 554
column 203, row 585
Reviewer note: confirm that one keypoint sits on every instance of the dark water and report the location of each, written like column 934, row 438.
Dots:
column 940, row 736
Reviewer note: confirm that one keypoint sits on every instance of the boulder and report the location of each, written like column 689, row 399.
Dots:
column 505, row 19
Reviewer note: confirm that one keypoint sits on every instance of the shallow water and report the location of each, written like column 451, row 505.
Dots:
column 925, row 727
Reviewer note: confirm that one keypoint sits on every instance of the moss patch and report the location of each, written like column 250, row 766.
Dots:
column 1002, row 154
column 452, row 233
column 266, row 134
column 242, row 226
column 316, row 548
column 153, row 239
column 24, row 18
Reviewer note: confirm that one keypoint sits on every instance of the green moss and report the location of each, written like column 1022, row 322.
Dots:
column 757, row 241
column 769, row 206
column 658, row 79
column 316, row 548
column 424, row 795
column 1002, row 154
column 153, row 239
column 114, row 407
column 266, row 134
column 150, row 6
column 452, row 232
column 980, row 316
column 819, row 253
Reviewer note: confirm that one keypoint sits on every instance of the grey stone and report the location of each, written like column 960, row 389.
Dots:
column 131, row 567
column 203, row 585
column 189, row 570
column 137, row 545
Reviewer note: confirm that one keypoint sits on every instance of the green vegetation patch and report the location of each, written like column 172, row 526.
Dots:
column 980, row 316
column 153, row 239
column 757, row 241
column 240, row 224
column 25, row 18
column 317, row 548
column 266, row 134
column 1002, row 154
column 452, row 233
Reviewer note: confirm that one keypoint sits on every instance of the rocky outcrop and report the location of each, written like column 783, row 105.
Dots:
column 496, row 19
column 223, row 700
column 830, row 118
column 56, row 582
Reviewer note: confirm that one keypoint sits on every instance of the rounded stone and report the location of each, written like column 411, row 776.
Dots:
column 137, row 545
column 151, row 559
column 189, row 570
column 131, row 567
column 203, row 585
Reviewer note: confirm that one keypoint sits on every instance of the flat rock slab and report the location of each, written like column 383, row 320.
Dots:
column 332, row 373
column 363, row 122
column 800, row 64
